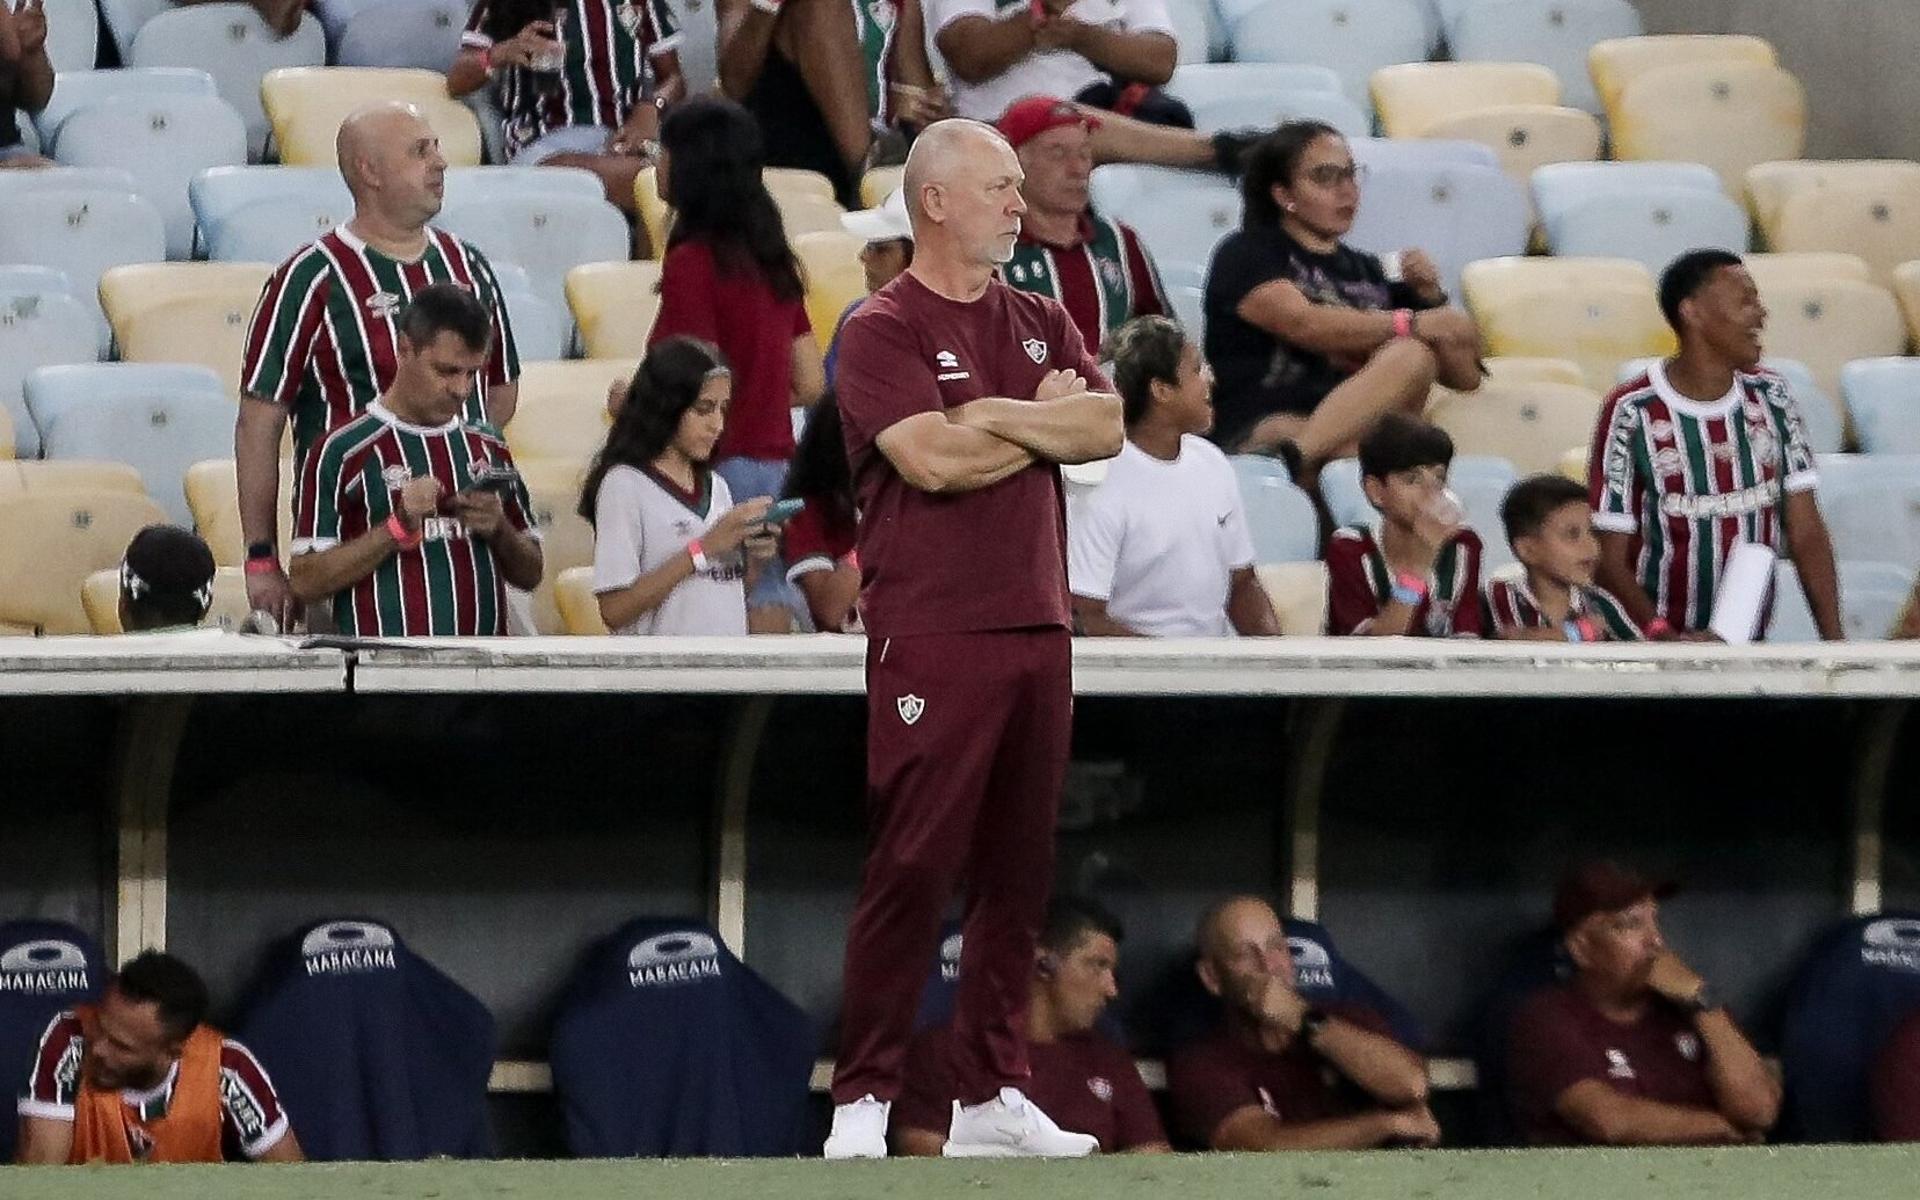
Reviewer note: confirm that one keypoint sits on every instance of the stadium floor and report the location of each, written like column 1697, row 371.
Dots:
column 1825, row 1172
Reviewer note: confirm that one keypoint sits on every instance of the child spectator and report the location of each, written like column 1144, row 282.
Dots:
column 1417, row 571
column 166, row 580
column 818, row 542
column 667, row 535
column 1549, row 595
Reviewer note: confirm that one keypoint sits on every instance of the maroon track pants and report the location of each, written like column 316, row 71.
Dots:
column 967, row 743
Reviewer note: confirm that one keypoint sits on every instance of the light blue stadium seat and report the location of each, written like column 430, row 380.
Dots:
column 402, row 33
column 1265, row 109
column 1873, row 512
column 73, row 34
column 1871, row 597
column 1457, row 214
column 25, row 279
column 1561, row 187
column 1353, row 37
column 1190, row 309
column 1480, row 480
column 1203, row 83
column 73, row 90
column 82, row 231
column 1553, row 33
column 67, row 178
column 1280, row 516
column 270, row 230
column 1180, row 215
column 159, row 418
column 219, row 192
column 1826, row 432
column 1196, row 30
column 235, row 45
column 40, row 326
column 540, row 332
column 125, row 18
column 29, row 136
column 163, row 142
column 1653, row 226
column 465, row 184
column 547, row 235
column 1376, row 152
column 1883, row 399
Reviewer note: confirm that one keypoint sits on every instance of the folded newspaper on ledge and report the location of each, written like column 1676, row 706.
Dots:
column 1745, row 587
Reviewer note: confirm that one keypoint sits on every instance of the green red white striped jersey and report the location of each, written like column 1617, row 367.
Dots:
column 323, row 333
column 1105, row 279
column 1511, row 605
column 1359, row 582
column 448, row 585
column 1687, row 481
column 875, row 21
column 605, row 72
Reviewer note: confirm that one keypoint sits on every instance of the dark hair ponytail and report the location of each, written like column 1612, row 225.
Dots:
column 715, row 157
column 1274, row 159
column 665, row 386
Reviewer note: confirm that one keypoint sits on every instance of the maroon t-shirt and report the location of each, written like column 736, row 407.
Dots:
column 1558, row 1039
column 1211, row 1079
column 1895, row 1086
column 755, row 331
column 1085, row 1083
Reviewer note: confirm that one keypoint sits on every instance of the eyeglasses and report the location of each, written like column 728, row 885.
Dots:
column 1334, row 174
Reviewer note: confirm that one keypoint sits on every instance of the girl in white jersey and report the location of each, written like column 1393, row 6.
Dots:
column 672, row 553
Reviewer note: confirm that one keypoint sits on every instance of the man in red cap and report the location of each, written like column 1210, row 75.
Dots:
column 1634, row 1049
column 1096, row 267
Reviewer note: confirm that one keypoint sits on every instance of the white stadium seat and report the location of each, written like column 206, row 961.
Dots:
column 403, row 33
column 548, row 235
column 38, row 329
column 1554, row 33
column 1653, row 226
column 236, row 46
column 1280, row 517
column 1883, row 401
column 270, row 230
column 82, row 231
column 73, row 34
column 73, row 90
column 163, row 142
column 1180, row 215
column 1353, row 37
column 1457, row 214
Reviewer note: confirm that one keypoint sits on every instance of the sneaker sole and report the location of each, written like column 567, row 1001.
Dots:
column 950, row 1150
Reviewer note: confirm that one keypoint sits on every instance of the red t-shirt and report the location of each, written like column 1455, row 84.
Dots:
column 1559, row 1039
column 1211, row 1079
column 818, row 537
column 1085, row 1083
column 1359, row 580
column 992, row 558
column 1895, row 1084
column 754, row 330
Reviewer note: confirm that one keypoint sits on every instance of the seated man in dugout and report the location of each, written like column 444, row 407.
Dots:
column 1280, row 1073
column 1635, row 1049
column 139, row 1078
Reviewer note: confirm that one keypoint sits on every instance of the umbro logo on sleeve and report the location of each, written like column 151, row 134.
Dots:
column 949, row 365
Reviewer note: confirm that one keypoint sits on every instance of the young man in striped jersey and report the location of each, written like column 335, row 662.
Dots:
column 1418, row 570
column 1705, row 451
column 323, row 343
column 1549, row 595
column 411, row 517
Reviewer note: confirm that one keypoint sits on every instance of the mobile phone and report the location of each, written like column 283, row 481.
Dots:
column 783, row 511
column 499, row 480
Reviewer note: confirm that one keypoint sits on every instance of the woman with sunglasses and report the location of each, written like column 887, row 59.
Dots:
column 1311, row 340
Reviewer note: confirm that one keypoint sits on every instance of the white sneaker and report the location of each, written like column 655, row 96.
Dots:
column 1011, row 1126
column 859, row 1129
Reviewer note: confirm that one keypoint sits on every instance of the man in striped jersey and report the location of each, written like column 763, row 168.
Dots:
column 411, row 516
column 323, row 342
column 1704, row 451
column 1097, row 268
column 1549, row 595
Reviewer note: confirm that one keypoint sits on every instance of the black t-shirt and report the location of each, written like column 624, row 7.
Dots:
column 9, row 102
column 1257, row 374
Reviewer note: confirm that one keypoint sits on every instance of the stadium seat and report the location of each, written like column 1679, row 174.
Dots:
column 100, row 596
column 614, row 303
column 1597, row 312
column 1773, row 268
column 804, row 212
column 163, row 142
column 579, row 608
column 1513, row 368
column 1561, row 187
column 1878, row 220
column 1353, row 37
column 1457, row 214
column 1497, row 280
column 566, row 540
column 1263, row 110
column 1771, row 184
column 422, row 34
column 1201, row 83
column 1872, row 595
column 1412, row 97
column 158, row 418
column 830, row 262
column 1280, row 516
column 45, row 967
column 653, row 212
column 54, row 541
column 1851, row 992
column 540, row 331
column 82, row 232
column 213, row 499
column 1482, row 482
column 184, row 312
column 1883, row 402
column 73, row 34
column 1617, row 62
column 38, row 329
column 270, row 230
column 307, row 104
column 1573, row 464
column 1906, row 286
column 1528, row 424
column 879, row 183
column 1874, row 515
column 1180, row 215
column 237, row 47
column 66, row 178
column 562, row 408
column 6, row 435
column 1526, row 137
column 221, row 192
column 29, row 136
column 124, row 19
column 1829, row 323
column 667, row 1045
column 1729, row 116
column 74, row 90
column 1196, row 31
column 548, row 235
column 466, row 184
column 1653, row 226
column 40, row 477
column 1423, row 152
column 796, row 181
column 1340, row 487
column 1298, row 593
column 380, row 1055
column 1556, row 35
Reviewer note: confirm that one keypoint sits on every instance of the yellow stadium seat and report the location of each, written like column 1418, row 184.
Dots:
column 1616, row 62
column 1489, row 279
column 1730, row 116
column 653, row 212
column 54, row 541
column 614, row 303
column 1598, row 312
column 802, row 213
column 1771, row 184
column 566, row 542
column 1526, row 136
column 100, row 596
column 1528, row 424
column 1298, row 593
column 830, row 263
column 553, row 474
column 1879, row 220
column 579, row 609
column 1573, row 464
column 796, row 181
column 306, row 105
column 1516, row 369
column 879, row 183
column 1906, row 286
column 562, row 410
column 37, row 477
column 184, row 312
column 214, row 500
column 1827, row 323
column 1776, row 267
column 1412, row 97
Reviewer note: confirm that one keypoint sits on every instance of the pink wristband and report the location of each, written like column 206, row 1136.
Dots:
column 403, row 537
column 1403, row 322
column 1658, row 628
column 262, row 566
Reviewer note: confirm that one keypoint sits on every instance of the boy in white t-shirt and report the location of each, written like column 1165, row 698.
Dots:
column 672, row 553
column 1161, row 549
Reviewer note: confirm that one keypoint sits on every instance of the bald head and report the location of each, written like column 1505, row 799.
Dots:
column 1243, row 947
column 390, row 158
column 962, row 183
column 1229, row 922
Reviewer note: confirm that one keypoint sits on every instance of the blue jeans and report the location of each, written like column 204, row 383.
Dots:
column 748, row 478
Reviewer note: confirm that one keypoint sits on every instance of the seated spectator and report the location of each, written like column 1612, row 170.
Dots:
column 1894, row 1084
column 1161, row 548
column 1279, row 1073
column 1096, row 267
column 903, row 93
column 419, row 554
column 667, row 536
column 1416, row 571
column 1312, row 340
column 590, row 100
column 1704, row 451
column 1083, row 1080
column 26, row 77
column 1634, row 1049
column 166, row 580
column 888, row 250
column 138, row 1078
column 1092, row 50
column 806, row 70
column 819, row 541
column 1549, row 596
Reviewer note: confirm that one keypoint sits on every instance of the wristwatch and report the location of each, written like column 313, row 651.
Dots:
column 260, row 550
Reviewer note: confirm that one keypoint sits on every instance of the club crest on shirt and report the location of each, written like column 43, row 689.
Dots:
column 910, row 707
column 1102, row 1089
column 1688, row 1045
column 1618, row 1067
column 396, row 477
column 629, row 17
column 1111, row 272
column 1036, row 349
column 383, row 304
